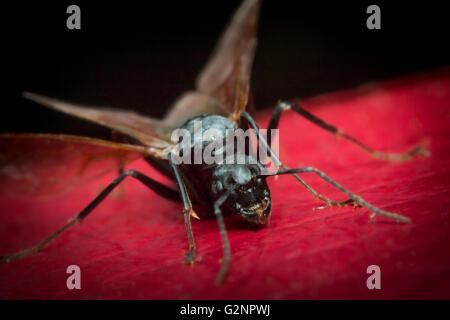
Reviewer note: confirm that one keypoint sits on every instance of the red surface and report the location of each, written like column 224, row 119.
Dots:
column 133, row 246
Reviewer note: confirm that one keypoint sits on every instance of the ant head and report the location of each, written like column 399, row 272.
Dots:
column 249, row 193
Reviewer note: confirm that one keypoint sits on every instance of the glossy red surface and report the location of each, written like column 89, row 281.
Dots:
column 132, row 246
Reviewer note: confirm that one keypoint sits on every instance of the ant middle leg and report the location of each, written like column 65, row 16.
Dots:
column 189, row 257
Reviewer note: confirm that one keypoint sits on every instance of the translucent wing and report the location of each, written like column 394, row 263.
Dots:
column 223, row 84
column 147, row 130
column 189, row 105
column 44, row 164
column 226, row 76
column 222, row 88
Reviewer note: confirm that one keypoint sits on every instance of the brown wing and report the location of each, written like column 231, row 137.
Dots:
column 222, row 88
column 223, row 84
column 189, row 105
column 226, row 76
column 44, row 164
column 147, row 130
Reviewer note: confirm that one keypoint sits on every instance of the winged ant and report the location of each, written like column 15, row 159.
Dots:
column 220, row 101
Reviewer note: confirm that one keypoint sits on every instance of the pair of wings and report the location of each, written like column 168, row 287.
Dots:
column 47, row 163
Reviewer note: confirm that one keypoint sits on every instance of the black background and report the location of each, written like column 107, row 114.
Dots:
column 142, row 55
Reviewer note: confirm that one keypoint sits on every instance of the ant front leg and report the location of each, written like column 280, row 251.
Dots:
column 223, row 234
column 352, row 196
column 154, row 185
column 266, row 145
column 282, row 106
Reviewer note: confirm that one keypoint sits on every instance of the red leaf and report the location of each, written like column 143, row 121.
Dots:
column 133, row 246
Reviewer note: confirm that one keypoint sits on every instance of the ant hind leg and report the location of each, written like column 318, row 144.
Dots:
column 159, row 188
column 417, row 150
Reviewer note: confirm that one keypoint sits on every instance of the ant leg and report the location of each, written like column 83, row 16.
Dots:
column 159, row 188
column 166, row 169
column 189, row 257
column 352, row 196
column 223, row 234
column 163, row 167
column 284, row 106
column 171, row 171
column 329, row 203
column 244, row 125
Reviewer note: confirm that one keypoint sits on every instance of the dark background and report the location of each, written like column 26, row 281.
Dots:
column 141, row 55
